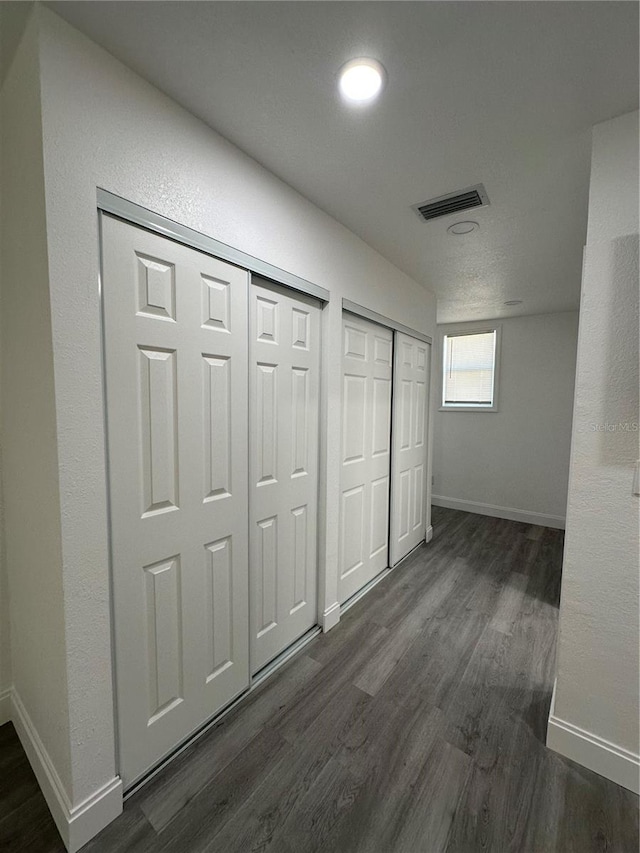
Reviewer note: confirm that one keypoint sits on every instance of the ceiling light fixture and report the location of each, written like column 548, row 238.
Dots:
column 459, row 228
column 361, row 80
column 513, row 302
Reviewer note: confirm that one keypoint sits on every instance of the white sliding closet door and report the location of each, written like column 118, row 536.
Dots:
column 409, row 456
column 366, row 434
column 284, row 334
column 176, row 370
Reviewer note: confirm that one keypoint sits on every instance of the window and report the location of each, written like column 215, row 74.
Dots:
column 469, row 369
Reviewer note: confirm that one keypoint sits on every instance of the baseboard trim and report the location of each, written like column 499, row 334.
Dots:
column 92, row 815
column 597, row 754
column 552, row 707
column 510, row 513
column 331, row 617
column 76, row 824
column 5, row 705
column 429, row 535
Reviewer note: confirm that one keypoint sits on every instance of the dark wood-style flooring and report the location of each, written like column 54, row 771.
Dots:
column 415, row 726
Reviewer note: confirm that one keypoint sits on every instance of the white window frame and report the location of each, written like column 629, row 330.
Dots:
column 468, row 329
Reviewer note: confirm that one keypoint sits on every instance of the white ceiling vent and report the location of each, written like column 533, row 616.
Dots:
column 445, row 205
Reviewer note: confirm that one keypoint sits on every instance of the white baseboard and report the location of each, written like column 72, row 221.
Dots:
column 593, row 752
column 429, row 535
column 523, row 515
column 331, row 617
column 94, row 813
column 76, row 824
column 552, row 707
column 5, row 706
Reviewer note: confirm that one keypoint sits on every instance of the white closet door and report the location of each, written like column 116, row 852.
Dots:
column 409, row 458
column 176, row 367
column 366, row 433
column 284, row 388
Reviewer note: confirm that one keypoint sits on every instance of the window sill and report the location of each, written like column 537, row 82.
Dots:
column 468, row 409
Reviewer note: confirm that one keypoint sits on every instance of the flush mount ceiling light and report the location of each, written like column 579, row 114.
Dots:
column 361, row 80
column 459, row 228
column 513, row 302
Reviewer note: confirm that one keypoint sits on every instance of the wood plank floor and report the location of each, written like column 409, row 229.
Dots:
column 415, row 726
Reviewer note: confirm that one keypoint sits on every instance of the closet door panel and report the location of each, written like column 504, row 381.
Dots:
column 409, row 458
column 175, row 323
column 366, row 435
column 284, row 333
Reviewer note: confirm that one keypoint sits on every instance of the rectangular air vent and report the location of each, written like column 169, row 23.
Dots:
column 450, row 203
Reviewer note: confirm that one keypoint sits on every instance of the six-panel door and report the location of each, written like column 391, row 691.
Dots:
column 176, row 354
column 409, row 455
column 284, row 332
column 365, row 453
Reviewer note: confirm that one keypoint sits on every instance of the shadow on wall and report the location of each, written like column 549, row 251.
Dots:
column 618, row 444
column 13, row 20
column 612, row 419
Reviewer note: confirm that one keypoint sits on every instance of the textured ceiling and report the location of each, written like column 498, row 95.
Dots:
column 499, row 93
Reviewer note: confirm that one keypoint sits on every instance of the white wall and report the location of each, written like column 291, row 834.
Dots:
column 5, row 633
column 513, row 462
column 13, row 20
column 595, row 718
column 104, row 126
column 6, row 678
column 13, row 17
column 30, row 482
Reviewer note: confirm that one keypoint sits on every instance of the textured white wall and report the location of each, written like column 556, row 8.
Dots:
column 104, row 126
column 6, row 678
column 517, row 457
column 29, row 453
column 5, row 633
column 597, row 668
column 13, row 21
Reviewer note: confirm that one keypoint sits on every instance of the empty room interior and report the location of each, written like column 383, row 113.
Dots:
column 319, row 408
